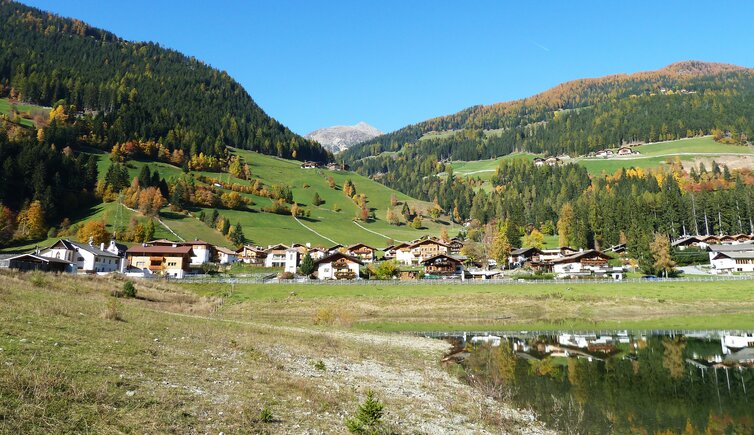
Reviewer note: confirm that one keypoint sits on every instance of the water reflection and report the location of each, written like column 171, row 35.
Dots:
column 619, row 382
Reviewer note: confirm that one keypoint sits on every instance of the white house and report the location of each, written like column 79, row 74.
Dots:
column 225, row 255
column 202, row 251
column 733, row 261
column 291, row 260
column 338, row 266
column 580, row 262
column 87, row 258
column 275, row 256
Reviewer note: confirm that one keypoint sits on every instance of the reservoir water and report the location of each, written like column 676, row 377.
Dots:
column 618, row 382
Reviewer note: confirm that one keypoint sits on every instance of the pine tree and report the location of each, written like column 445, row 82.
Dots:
column 225, row 227
column 307, row 265
column 236, row 236
column 566, row 225
column 145, row 176
column 317, row 201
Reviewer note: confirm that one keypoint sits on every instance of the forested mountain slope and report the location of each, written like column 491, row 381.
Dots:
column 134, row 90
column 686, row 99
column 585, row 115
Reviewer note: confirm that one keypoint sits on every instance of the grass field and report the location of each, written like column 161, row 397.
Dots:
column 658, row 154
column 6, row 109
column 265, row 228
column 76, row 360
column 449, row 307
column 485, row 169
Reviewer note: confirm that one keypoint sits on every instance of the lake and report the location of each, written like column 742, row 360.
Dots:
column 617, row 382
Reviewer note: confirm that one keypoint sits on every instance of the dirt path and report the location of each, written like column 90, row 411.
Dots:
column 170, row 230
column 318, row 234
column 375, row 232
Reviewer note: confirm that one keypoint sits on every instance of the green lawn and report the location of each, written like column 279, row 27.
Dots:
column 449, row 307
column 485, row 169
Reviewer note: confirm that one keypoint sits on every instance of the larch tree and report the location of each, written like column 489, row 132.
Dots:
column 501, row 248
column 534, row 239
column 660, row 249
column 566, row 225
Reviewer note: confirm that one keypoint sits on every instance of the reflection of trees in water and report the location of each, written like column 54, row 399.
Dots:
column 672, row 358
column 648, row 389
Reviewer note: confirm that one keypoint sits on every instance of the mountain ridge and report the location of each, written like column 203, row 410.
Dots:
column 689, row 76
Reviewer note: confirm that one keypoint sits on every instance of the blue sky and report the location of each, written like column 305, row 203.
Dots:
column 313, row 64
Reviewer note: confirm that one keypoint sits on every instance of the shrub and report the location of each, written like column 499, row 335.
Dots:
column 320, row 365
column 266, row 416
column 330, row 317
column 368, row 419
column 285, row 275
column 112, row 311
column 129, row 290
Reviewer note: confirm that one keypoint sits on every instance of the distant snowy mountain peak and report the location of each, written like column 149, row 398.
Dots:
column 341, row 137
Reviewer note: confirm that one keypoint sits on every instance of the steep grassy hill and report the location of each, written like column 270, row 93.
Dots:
column 324, row 227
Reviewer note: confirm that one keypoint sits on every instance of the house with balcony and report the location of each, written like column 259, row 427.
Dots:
column 444, row 266
column 363, row 252
column 275, row 256
column 172, row 261
column 580, row 262
column 338, row 265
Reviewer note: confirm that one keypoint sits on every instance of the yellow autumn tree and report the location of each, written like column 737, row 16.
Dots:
column 534, row 239
column 565, row 224
column 94, row 231
column 31, row 222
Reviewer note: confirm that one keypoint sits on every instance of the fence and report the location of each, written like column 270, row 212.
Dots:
column 232, row 280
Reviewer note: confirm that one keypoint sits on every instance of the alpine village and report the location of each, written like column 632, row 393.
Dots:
column 175, row 260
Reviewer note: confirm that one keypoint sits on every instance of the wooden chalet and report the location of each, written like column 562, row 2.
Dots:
column 364, row 252
column 455, row 245
column 443, row 265
column 580, row 261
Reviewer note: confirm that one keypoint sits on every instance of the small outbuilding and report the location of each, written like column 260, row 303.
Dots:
column 27, row 262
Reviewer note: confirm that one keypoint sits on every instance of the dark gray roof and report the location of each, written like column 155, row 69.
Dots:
column 40, row 258
column 739, row 247
column 96, row 251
